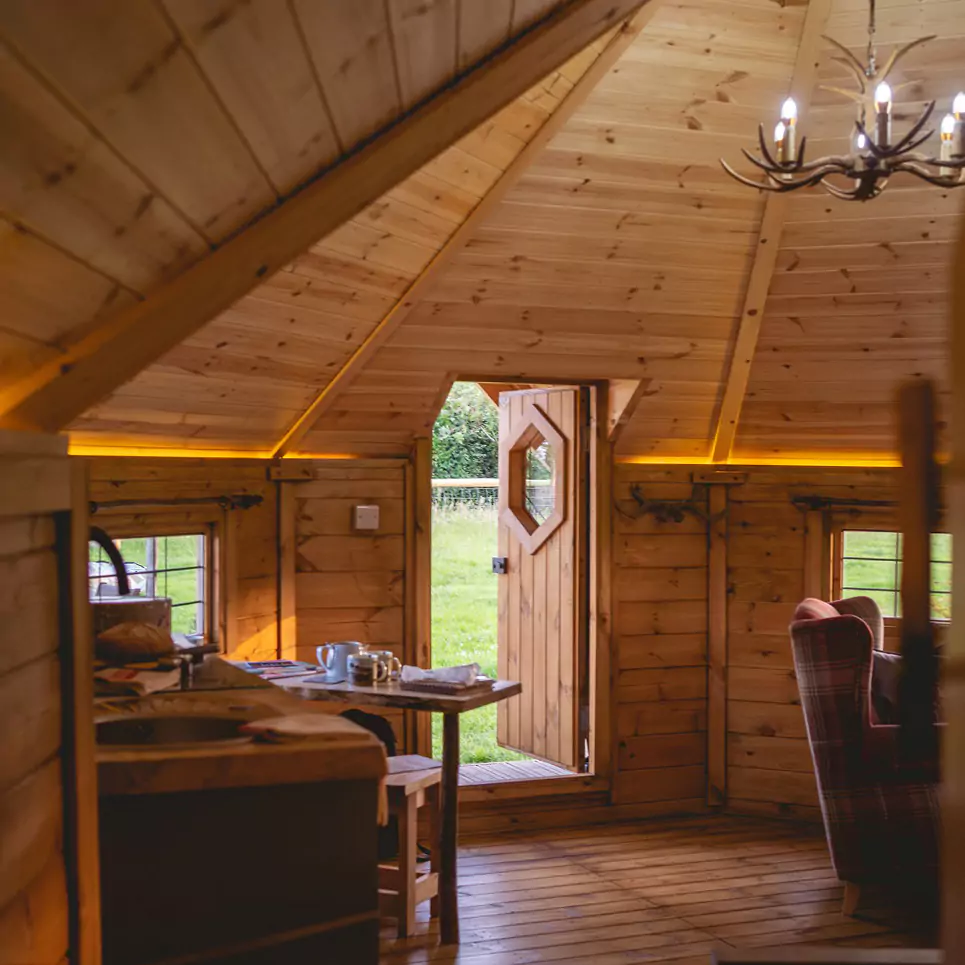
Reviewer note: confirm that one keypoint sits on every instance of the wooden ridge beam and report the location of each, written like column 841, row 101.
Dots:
column 60, row 391
column 768, row 241
column 400, row 311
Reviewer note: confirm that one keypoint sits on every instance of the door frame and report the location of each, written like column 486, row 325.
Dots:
column 598, row 617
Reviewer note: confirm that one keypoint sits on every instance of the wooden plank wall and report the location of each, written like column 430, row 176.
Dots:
column 34, row 918
column 350, row 585
column 769, row 765
column 250, row 582
column 660, row 633
column 660, row 644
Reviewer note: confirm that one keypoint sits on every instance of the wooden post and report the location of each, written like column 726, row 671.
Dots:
column 953, row 690
column 918, row 513
column 418, row 581
column 287, row 637
column 717, row 647
column 815, row 558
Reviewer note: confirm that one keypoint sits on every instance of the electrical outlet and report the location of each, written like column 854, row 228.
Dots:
column 365, row 518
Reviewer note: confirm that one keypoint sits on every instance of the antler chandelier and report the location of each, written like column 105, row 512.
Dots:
column 875, row 157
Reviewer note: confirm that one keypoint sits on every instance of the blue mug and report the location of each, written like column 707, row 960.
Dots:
column 333, row 657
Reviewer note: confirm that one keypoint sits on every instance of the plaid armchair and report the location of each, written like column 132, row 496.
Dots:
column 880, row 814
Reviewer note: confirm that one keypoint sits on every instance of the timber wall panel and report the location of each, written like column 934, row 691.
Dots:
column 33, row 888
column 769, row 764
column 250, row 535
column 350, row 585
column 660, row 641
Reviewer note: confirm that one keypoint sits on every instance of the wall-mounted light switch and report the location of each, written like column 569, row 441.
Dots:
column 365, row 517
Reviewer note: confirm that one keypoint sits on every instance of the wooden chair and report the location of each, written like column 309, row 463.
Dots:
column 413, row 782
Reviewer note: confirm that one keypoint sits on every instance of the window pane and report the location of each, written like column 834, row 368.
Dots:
column 941, row 577
column 869, row 574
column 164, row 566
column 941, row 606
column 886, row 600
column 941, row 547
column 870, row 545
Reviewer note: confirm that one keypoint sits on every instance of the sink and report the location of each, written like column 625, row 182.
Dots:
column 155, row 730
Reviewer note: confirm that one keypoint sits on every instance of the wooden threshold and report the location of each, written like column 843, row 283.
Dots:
column 504, row 772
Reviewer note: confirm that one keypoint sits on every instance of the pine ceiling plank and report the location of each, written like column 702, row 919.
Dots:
column 122, row 66
column 482, row 27
column 46, row 295
column 253, row 56
column 425, row 45
column 458, row 240
column 128, row 342
column 759, row 279
column 351, row 49
column 59, row 177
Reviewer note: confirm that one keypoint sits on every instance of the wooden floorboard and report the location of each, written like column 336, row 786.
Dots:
column 654, row 891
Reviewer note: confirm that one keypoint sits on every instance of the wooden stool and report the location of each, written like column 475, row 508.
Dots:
column 412, row 782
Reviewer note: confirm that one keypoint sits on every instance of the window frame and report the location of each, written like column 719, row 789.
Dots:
column 881, row 523
column 160, row 524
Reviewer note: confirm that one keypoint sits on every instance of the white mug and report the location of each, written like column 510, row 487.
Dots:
column 333, row 657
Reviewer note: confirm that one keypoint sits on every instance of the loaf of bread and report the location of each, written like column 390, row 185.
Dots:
column 127, row 642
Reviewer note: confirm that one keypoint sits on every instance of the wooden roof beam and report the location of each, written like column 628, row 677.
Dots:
column 60, row 391
column 768, row 241
column 400, row 311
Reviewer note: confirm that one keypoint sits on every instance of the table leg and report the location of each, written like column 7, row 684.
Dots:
column 448, row 898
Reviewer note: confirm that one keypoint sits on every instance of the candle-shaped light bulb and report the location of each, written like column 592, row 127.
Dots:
column 782, row 139
column 947, row 134
column 883, row 97
column 883, row 116
column 789, row 120
column 780, row 129
column 860, row 141
column 953, row 130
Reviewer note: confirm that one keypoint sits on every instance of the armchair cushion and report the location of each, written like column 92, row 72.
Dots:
column 885, row 673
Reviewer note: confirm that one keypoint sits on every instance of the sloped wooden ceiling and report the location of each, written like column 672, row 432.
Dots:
column 622, row 252
column 859, row 298
column 249, row 374
column 140, row 136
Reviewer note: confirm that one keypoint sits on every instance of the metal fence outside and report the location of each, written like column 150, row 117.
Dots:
column 483, row 494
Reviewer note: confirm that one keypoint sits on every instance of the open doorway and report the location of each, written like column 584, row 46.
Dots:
column 506, row 483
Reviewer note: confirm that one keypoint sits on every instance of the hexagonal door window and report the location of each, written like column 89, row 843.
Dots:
column 540, row 472
column 533, row 505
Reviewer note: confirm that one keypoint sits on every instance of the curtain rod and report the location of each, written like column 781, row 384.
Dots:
column 236, row 501
column 827, row 502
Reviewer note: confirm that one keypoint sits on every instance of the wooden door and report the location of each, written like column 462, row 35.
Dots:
column 542, row 606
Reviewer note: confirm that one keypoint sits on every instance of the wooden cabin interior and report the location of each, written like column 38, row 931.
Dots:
column 247, row 248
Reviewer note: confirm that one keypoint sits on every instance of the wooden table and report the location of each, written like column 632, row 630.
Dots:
column 395, row 695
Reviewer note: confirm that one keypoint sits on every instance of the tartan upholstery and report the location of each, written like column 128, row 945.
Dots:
column 880, row 812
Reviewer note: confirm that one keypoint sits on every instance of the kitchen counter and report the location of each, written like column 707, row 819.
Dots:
column 352, row 753
column 273, row 844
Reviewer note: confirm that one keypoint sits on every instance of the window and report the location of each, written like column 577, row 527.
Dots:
column 871, row 566
column 171, row 566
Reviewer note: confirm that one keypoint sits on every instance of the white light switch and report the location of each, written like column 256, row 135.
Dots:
column 366, row 517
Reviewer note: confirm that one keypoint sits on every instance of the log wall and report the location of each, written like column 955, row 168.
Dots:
column 249, row 582
column 660, row 631
column 48, row 843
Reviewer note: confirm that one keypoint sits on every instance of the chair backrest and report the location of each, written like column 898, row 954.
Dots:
column 832, row 660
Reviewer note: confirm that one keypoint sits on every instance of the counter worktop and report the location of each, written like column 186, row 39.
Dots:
column 348, row 753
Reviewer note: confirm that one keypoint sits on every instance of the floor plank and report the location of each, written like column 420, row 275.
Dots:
column 655, row 891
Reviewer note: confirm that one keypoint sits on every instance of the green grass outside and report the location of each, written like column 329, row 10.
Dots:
column 872, row 567
column 172, row 551
column 464, row 590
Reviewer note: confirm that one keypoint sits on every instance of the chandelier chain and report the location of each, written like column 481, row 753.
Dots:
column 872, row 66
